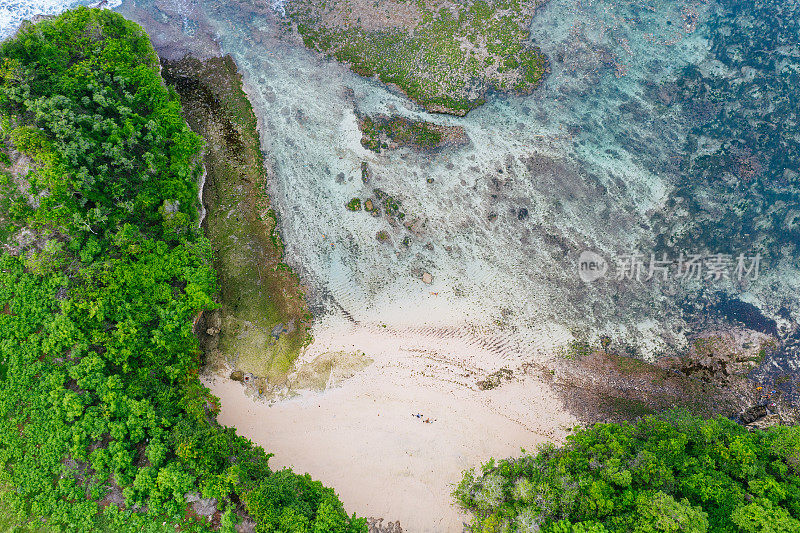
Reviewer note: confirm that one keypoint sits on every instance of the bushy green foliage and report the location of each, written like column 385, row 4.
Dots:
column 288, row 502
column 89, row 105
column 104, row 424
column 667, row 473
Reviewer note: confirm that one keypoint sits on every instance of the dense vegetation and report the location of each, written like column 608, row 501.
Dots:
column 668, row 473
column 104, row 423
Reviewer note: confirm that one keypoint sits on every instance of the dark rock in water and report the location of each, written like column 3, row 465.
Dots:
column 751, row 414
column 747, row 314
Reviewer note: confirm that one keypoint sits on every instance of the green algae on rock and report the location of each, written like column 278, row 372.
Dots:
column 446, row 55
column 263, row 319
column 354, row 204
column 390, row 132
column 325, row 371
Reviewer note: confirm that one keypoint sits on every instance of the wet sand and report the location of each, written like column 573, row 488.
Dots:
column 362, row 438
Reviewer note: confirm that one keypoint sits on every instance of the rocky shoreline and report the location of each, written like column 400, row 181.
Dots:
column 262, row 321
column 602, row 384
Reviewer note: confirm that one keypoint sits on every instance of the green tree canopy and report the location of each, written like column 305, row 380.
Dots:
column 104, row 424
column 669, row 473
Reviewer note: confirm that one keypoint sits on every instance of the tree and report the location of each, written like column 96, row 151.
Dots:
column 99, row 386
column 666, row 473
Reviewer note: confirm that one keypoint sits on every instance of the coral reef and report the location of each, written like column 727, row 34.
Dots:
column 445, row 55
column 740, row 180
column 382, row 132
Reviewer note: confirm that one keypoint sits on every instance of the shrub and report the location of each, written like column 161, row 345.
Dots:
column 666, row 473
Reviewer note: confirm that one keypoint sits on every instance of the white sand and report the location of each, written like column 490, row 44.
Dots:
column 362, row 439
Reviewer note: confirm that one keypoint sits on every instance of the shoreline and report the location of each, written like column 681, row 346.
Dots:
column 362, row 437
column 262, row 320
column 358, row 432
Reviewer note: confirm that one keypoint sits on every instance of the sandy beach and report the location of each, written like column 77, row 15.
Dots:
column 361, row 436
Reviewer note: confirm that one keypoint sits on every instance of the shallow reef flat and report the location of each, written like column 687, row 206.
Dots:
column 445, row 55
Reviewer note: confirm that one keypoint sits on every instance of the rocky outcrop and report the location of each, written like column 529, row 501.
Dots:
column 751, row 414
column 263, row 318
column 721, row 357
column 384, row 132
column 603, row 386
column 405, row 45
column 206, row 507
column 766, row 422
column 376, row 525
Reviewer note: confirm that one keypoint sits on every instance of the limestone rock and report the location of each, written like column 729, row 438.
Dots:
column 751, row 414
column 766, row 422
